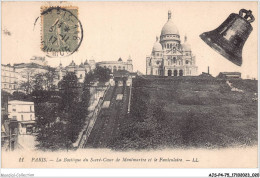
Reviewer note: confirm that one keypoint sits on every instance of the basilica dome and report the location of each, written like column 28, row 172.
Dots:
column 186, row 46
column 157, row 46
column 169, row 28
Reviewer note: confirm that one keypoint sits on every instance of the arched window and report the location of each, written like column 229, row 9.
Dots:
column 114, row 69
column 119, row 67
column 187, row 62
column 123, row 67
column 175, row 72
column 168, row 46
column 174, row 60
column 181, row 73
column 169, row 72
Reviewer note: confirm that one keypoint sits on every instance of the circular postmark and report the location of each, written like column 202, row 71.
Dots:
column 62, row 32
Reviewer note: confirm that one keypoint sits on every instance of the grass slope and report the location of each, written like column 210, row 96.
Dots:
column 189, row 112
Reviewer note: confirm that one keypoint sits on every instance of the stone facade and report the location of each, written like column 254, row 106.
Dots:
column 9, row 78
column 14, row 76
column 80, row 70
column 23, row 112
column 169, row 56
column 117, row 65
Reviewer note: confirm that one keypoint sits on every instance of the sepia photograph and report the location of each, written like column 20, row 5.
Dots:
column 129, row 84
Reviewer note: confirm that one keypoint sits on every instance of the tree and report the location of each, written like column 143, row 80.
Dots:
column 69, row 89
column 102, row 74
column 55, row 118
column 54, row 138
column 89, row 78
column 59, row 124
column 73, row 105
column 31, row 80
column 38, row 82
column 27, row 80
column 49, row 79
column 17, row 95
column 44, row 81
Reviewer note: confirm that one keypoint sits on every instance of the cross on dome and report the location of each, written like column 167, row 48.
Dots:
column 169, row 28
column 169, row 14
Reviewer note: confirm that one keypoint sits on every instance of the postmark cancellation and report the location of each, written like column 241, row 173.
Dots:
column 61, row 32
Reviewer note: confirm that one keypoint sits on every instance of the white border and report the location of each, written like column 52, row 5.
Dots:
column 195, row 172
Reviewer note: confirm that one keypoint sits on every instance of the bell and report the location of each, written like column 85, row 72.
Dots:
column 229, row 38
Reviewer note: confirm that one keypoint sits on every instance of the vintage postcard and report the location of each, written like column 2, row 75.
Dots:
column 129, row 85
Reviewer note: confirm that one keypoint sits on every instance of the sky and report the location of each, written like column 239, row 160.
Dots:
column 122, row 29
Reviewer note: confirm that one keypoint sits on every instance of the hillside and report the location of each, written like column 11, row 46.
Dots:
column 187, row 112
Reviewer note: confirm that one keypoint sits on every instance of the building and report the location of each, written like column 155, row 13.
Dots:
column 14, row 76
column 169, row 56
column 27, row 72
column 9, row 78
column 229, row 75
column 20, row 77
column 9, row 127
column 87, row 66
column 121, row 78
column 79, row 70
column 23, row 112
column 117, row 65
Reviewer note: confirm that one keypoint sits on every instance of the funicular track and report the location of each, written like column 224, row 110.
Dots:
column 109, row 119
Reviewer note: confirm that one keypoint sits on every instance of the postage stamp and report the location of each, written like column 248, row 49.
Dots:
column 62, row 32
